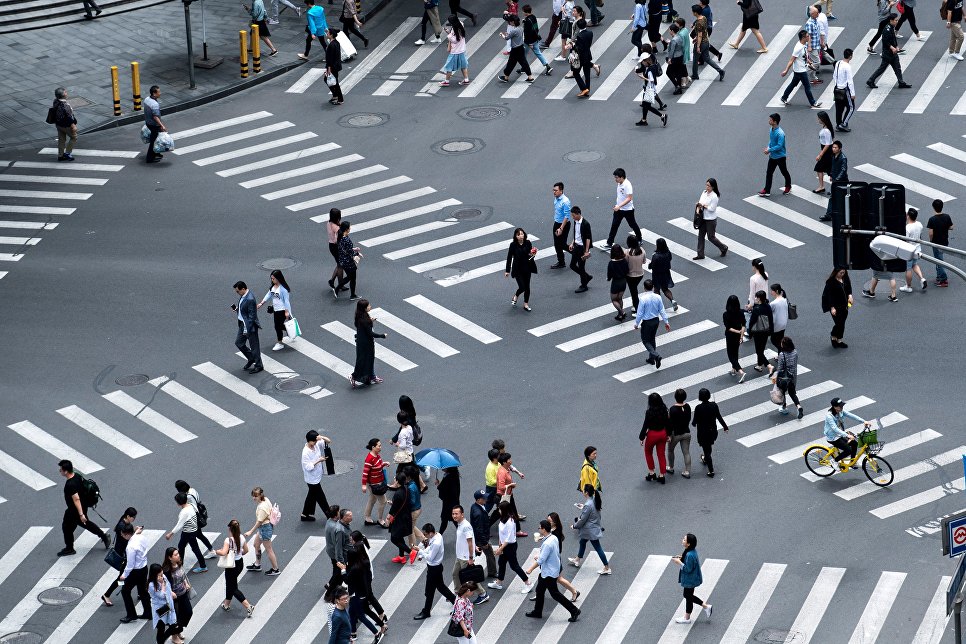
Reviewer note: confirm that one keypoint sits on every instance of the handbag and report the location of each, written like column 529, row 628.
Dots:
column 379, row 489
column 761, row 325
column 51, row 115
column 698, row 216
column 292, row 328
column 402, row 456
column 474, row 573
column 115, row 559
column 270, row 309
column 827, row 56
column 329, row 461
column 649, row 94
column 455, row 629
column 164, row 610
column 357, row 259
column 792, row 311
column 227, row 560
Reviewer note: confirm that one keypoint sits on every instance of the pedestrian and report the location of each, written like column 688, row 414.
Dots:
column 655, row 10
column 799, row 64
column 561, row 222
column 265, row 528
column 706, row 12
column 506, row 486
column 88, row 6
column 332, row 227
column 884, row 10
column 823, row 162
column 623, row 208
column 164, row 617
column 880, row 271
column 844, row 91
column 313, row 466
column 890, row 56
column 118, row 547
column 555, row 10
column 914, row 231
column 706, row 211
column 531, row 38
column 581, row 64
column 403, row 439
column 259, row 18
column 837, row 300
column 432, row 553
column 247, row 337
column 676, row 56
column 400, row 519
column 567, row 21
column 777, row 155
column 480, row 520
column 785, row 375
column 465, row 553
column 187, row 524
column 779, row 314
column 364, row 372
column 456, row 10
column 351, row 22
column 518, row 53
column 135, row 575
column 556, row 529
column 635, row 257
column 733, row 320
column 647, row 320
column 234, row 547
column 690, row 578
column 315, row 28
column 660, row 267
column 757, row 282
column 679, row 415
column 549, row 563
column 702, row 44
column 580, row 248
column 374, row 482
column 415, row 510
column 507, row 550
column 749, row 20
column 521, row 265
column 280, row 308
column 463, row 611
column 78, row 501
column 588, row 526
column 617, row 269
column 340, row 629
column 589, row 474
column 333, row 65
column 180, row 586
column 349, row 258
column 596, row 17
column 66, row 124
column 359, row 580
column 828, row 8
column 430, row 15
column 456, row 52
column 638, row 25
column 273, row 19
column 653, row 436
column 152, row 119
column 448, row 489
column 954, row 23
column 835, row 434
column 816, row 43
column 909, row 15
column 761, row 326
column 839, row 174
column 194, row 500
column 939, row 226
column 706, row 419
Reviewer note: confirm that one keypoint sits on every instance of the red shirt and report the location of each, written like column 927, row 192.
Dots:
column 372, row 471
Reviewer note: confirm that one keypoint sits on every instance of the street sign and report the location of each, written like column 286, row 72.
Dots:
column 953, row 530
column 953, row 590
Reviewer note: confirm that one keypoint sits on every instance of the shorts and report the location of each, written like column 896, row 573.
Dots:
column 455, row 62
column 263, row 29
column 882, row 275
column 910, row 264
column 265, row 531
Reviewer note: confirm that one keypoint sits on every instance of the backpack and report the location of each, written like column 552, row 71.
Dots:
column 943, row 10
column 90, row 493
column 201, row 512
column 656, row 70
column 276, row 515
column 417, row 434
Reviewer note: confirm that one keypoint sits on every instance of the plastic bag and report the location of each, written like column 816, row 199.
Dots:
column 163, row 143
column 145, row 134
column 777, row 396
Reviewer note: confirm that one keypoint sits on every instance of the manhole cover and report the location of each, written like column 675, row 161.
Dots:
column 469, row 213
column 446, row 272
column 343, row 466
column 60, row 595
column 583, row 156
column 363, row 119
column 132, row 380
column 292, row 384
column 22, row 637
column 458, row 146
column 483, row 113
column 777, row 635
column 466, row 213
column 278, row 263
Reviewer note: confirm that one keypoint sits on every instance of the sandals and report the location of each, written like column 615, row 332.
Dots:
column 733, row 45
column 763, row 50
column 107, row 602
column 818, row 191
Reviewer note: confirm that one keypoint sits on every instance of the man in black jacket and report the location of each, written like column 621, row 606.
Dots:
column 66, row 124
column 582, row 42
column 480, row 521
column 890, row 55
column 333, row 65
column 839, row 174
column 580, row 248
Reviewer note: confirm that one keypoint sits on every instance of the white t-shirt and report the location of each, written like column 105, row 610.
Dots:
column 710, row 202
column 625, row 190
column 405, row 443
column 312, row 472
column 508, row 532
column 236, row 548
column 914, row 230
column 825, row 136
column 464, row 531
column 799, row 53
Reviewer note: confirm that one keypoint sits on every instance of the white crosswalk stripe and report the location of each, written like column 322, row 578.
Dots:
column 620, row 329
column 63, row 181
column 934, row 621
column 753, row 605
column 682, row 251
column 575, row 319
column 19, row 551
column 239, row 387
column 584, row 581
column 777, row 48
column 833, row 34
column 622, row 69
column 103, row 431
column 483, row 35
column 150, row 417
column 23, row 473
column 19, row 241
column 400, row 216
column 819, row 597
column 346, row 194
column 231, row 138
column 406, row 233
column 80, row 152
column 859, row 56
column 55, row 447
column 280, row 371
column 790, row 215
column 910, row 185
column 76, row 167
column 193, row 401
column 634, row 599
column 410, row 65
column 322, row 357
column 255, row 149
column 29, row 225
column 948, row 150
column 931, row 168
column 376, row 55
column 876, row 97
column 700, row 377
column 489, row 269
column 711, row 571
column 931, row 86
column 638, row 348
column 298, row 172
column 407, row 330
column 449, row 241
column 328, row 181
column 221, row 125
column 708, row 75
column 878, row 607
column 391, row 358
column 36, row 210
column 510, row 599
column 455, row 320
column 794, row 425
column 795, row 453
column 44, row 194
column 597, row 48
column 671, row 361
column 479, row 251
column 893, row 447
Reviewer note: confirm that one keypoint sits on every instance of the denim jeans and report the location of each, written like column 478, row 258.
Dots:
column 535, row 48
column 940, row 271
column 800, row 77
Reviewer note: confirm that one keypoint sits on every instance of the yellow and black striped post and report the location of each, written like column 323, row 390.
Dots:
column 116, row 88
column 359, row 7
column 256, row 53
column 243, row 39
column 136, row 85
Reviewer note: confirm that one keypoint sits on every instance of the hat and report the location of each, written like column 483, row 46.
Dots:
column 479, row 494
column 838, row 402
column 311, row 436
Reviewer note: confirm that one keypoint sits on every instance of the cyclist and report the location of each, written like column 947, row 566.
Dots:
column 835, row 430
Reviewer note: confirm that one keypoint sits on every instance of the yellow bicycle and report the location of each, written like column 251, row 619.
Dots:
column 820, row 459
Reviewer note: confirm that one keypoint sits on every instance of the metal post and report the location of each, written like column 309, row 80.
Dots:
column 136, row 85
column 256, row 50
column 957, row 618
column 848, row 219
column 191, row 55
column 243, row 39
column 204, row 33
column 116, row 89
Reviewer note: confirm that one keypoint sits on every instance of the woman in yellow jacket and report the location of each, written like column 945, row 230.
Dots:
column 588, row 471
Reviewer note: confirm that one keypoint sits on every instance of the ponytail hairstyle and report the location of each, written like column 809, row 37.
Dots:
column 235, row 531
column 692, row 542
column 759, row 266
column 778, row 290
column 590, row 490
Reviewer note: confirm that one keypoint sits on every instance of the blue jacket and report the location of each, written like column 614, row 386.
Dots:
column 690, row 574
column 315, row 19
column 776, row 143
column 249, row 313
column 341, row 630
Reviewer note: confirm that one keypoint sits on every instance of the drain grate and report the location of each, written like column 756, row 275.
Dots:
column 278, row 263
column 291, row 384
column 458, row 146
column 583, row 156
column 483, row 113
column 132, row 380
column 60, row 596
column 364, row 119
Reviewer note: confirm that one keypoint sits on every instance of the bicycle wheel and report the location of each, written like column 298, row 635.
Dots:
column 819, row 461
column 878, row 470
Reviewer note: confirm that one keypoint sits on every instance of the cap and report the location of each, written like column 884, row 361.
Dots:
column 311, row 435
column 479, row 494
column 838, row 402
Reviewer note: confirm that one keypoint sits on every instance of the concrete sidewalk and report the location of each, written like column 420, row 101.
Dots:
column 79, row 57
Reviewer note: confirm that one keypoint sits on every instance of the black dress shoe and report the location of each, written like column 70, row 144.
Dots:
column 657, row 362
column 559, row 265
column 581, row 289
column 307, row 517
column 144, row 616
column 127, row 619
column 534, row 615
column 842, row 128
column 66, row 552
column 825, row 218
column 574, row 617
column 420, row 616
column 257, row 369
column 249, row 365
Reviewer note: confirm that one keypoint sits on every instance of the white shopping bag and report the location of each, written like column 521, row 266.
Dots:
column 348, row 51
column 163, row 143
column 145, row 134
column 292, row 328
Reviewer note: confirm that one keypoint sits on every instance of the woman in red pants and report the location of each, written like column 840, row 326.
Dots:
column 654, row 436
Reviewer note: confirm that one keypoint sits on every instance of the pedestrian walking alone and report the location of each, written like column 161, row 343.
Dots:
column 623, row 208
column 589, row 474
column 281, row 307
column 364, row 372
column 333, row 65
column 521, row 265
column 890, row 56
column 315, row 29
column 351, row 23
column 836, row 300
column 549, row 563
column 653, row 436
column 263, row 531
column 909, row 15
column 66, row 124
column 799, row 65
column 588, row 527
column 760, row 326
column 679, row 417
column 785, row 375
column 234, row 547
column 375, row 483
column 706, row 419
column 349, row 258
column 581, row 63
column 823, row 162
column 954, row 23
column 561, row 223
column 456, row 52
column 313, row 466
column 749, row 20
column 649, row 314
column 617, row 270
column 777, row 155
column 580, row 248
column 152, row 119
column 78, row 501
column 635, row 269
column 706, row 212
column 690, row 578
column 939, row 225
column 660, row 267
column 247, row 337
column 733, row 320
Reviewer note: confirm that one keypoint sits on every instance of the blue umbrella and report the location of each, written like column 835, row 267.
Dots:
column 437, row 457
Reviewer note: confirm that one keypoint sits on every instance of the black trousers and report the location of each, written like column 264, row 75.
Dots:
column 761, row 341
column 621, row 215
column 560, row 241
column 732, row 343
column 434, row 582
column 549, row 585
column 909, row 15
column 523, row 285
column 632, row 286
column 192, row 538
column 350, row 277
column 577, row 263
column 790, row 392
column 637, row 39
column 349, row 26
column 315, row 495
column 70, row 523
column 279, row 320
column 582, row 76
column 182, row 606
column 248, row 344
column 706, row 447
column 335, row 89
column 137, row 579
column 843, row 109
column 399, row 540
column 154, row 137
column 776, row 339
column 231, row 581
column 163, row 632
column 509, row 557
column 336, row 578
column 455, row 9
column 554, row 25
column 779, row 163
column 308, row 48
column 690, row 600
column 838, row 326
column 888, row 61
column 90, row 5
column 518, row 55
column 846, row 447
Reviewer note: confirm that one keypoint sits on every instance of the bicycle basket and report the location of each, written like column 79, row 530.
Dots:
column 869, row 437
column 874, row 448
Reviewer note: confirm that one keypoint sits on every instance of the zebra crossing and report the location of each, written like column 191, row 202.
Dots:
column 31, row 194
column 117, row 428
column 397, row 66
column 290, row 608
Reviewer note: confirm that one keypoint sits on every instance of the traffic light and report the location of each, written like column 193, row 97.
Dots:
column 857, row 205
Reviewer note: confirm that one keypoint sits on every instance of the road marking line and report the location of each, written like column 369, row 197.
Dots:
column 20, row 241
column 76, row 167
column 709, row 76
column 758, row 69
column 375, row 57
column 615, row 330
column 633, row 601
column 466, row 254
column 682, row 251
column 413, row 333
column 788, row 214
column 19, row 551
column 354, row 192
column 399, row 216
column 36, row 210
column 756, row 411
column 949, row 151
column 573, row 320
column 298, row 155
column 931, row 168
column 793, row 425
column 239, row 387
column 446, row 242
column 859, row 56
column 324, row 183
column 893, row 447
column 637, row 348
column 405, row 233
column 44, row 194
column 711, row 571
column 905, row 473
column 481, row 36
column 702, row 376
column 254, row 149
column 150, row 417
column 55, row 447
column 519, row 85
column 672, row 361
column 408, row 66
column 733, row 245
column 247, row 135
column 933, row 624
column 894, row 418
column 878, row 607
column 28, row 225
column 910, row 185
column 306, row 80
column 390, row 357
column 220, row 125
column 746, row 617
column 280, row 371
column 193, row 401
column 455, row 320
column 931, row 86
column 103, row 431
column 123, row 154
column 584, row 581
column 298, row 172
column 488, row 269
column 321, row 356
column 810, row 616
column 24, row 473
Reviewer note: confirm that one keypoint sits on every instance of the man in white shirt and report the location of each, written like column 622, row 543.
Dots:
column 554, row 24
column 431, row 552
column 797, row 64
column 465, row 552
column 135, row 575
column 623, row 208
column 313, row 464
column 913, row 231
column 844, row 91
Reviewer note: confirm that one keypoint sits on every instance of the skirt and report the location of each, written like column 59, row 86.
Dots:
column 618, row 286
column 824, row 164
column 263, row 29
column 749, row 22
column 456, row 62
column 566, row 28
column 662, row 283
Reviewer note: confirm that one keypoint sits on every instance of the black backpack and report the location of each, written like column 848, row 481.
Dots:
column 655, row 69
column 90, row 493
column 201, row 512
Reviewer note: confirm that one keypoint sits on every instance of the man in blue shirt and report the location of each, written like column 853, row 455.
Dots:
column 835, row 430
column 776, row 155
column 549, row 563
column 650, row 309
column 152, row 119
column 561, row 222
column 341, row 630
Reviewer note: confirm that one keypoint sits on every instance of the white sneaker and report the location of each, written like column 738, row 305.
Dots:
column 527, row 589
column 707, row 610
column 905, row 289
column 435, row 39
column 957, row 56
column 273, row 22
column 682, row 620
column 674, row 305
column 420, row 42
column 574, row 561
column 495, row 585
column 278, row 346
column 560, row 58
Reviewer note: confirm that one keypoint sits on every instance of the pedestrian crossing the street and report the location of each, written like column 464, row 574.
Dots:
column 637, row 603
column 398, row 67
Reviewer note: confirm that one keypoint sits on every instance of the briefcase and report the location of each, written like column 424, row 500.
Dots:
column 473, row 573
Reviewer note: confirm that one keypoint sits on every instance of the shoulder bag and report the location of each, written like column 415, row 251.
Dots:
column 455, row 629
column 792, row 311
column 698, row 216
column 839, row 92
column 227, row 560
column 115, row 559
column 51, row 115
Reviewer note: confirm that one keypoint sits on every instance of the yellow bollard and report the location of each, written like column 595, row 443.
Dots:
column 256, row 53
column 116, row 88
column 136, row 85
column 243, row 38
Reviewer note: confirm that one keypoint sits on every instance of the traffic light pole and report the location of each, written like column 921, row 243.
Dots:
column 927, row 258
column 191, row 55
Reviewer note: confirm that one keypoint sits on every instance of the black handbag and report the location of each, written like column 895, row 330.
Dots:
column 827, row 56
column 329, row 461
column 51, row 115
column 115, row 560
column 473, row 573
column 455, row 628
column 698, row 216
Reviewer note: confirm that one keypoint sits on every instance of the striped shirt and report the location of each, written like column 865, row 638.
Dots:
column 372, row 470
column 788, row 362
